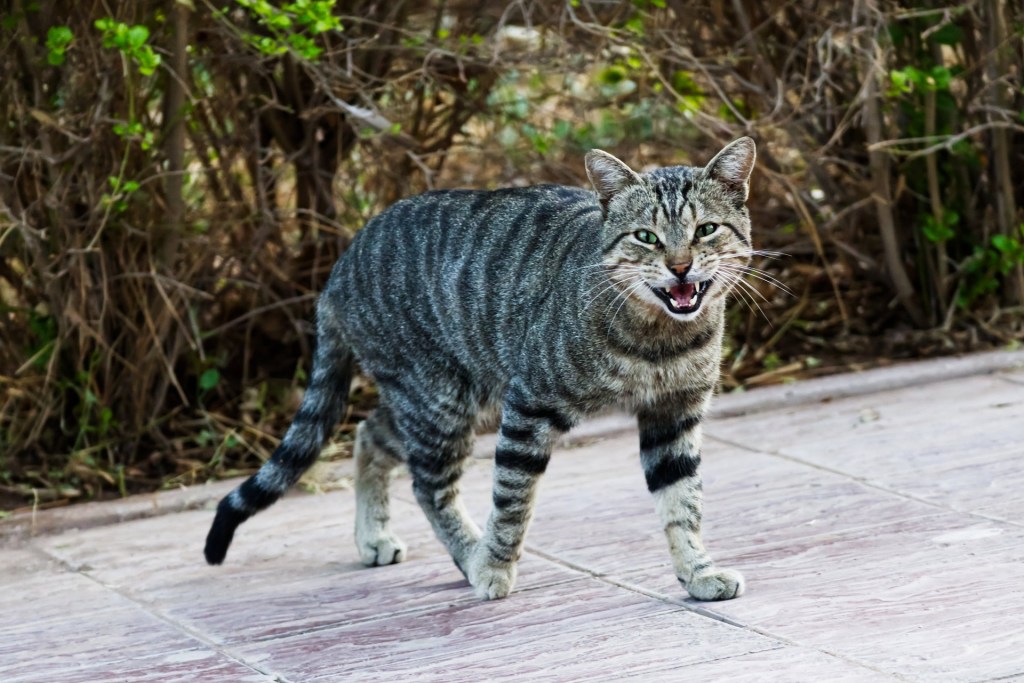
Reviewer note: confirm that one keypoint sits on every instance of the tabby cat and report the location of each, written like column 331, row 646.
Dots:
column 549, row 301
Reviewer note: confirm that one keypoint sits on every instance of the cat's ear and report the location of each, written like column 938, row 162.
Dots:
column 608, row 175
column 732, row 166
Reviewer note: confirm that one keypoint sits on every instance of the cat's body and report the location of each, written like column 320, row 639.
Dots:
column 534, row 299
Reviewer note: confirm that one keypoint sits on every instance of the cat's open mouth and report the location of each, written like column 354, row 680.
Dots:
column 684, row 297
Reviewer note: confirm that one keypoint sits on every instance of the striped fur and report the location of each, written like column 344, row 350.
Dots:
column 540, row 300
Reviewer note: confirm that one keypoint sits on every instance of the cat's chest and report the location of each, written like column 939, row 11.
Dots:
column 641, row 382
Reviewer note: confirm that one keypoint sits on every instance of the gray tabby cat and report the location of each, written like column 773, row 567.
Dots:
column 551, row 301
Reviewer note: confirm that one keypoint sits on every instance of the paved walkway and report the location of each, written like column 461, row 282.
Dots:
column 881, row 534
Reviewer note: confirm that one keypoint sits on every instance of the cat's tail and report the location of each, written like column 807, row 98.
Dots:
column 322, row 407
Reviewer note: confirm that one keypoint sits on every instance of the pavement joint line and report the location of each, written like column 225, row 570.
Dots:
column 643, row 674
column 1012, row 379
column 754, row 628
column 158, row 614
column 681, row 668
column 1011, row 677
column 864, row 482
column 782, row 646
column 852, row 384
column 605, row 578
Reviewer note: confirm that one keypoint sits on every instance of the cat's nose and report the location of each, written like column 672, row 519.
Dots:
column 680, row 269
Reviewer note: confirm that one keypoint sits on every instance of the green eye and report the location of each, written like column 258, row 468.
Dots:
column 706, row 229
column 646, row 236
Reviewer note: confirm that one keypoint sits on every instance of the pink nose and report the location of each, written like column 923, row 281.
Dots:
column 680, row 268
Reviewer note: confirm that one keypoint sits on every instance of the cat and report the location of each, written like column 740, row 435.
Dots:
column 551, row 302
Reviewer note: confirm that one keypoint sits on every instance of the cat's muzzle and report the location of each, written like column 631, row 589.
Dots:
column 684, row 297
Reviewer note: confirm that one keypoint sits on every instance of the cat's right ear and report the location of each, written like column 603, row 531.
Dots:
column 608, row 175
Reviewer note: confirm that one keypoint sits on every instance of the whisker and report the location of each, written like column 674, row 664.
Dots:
column 755, row 252
column 761, row 275
column 615, row 282
column 616, row 276
column 628, row 292
column 739, row 281
column 622, row 293
column 740, row 294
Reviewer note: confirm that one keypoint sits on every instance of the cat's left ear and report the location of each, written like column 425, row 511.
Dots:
column 732, row 166
column 609, row 175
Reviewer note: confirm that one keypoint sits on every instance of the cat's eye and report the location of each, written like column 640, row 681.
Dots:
column 706, row 229
column 646, row 236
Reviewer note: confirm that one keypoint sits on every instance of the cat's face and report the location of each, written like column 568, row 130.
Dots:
column 678, row 238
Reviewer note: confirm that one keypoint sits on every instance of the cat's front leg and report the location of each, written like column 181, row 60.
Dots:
column 524, row 446
column 670, row 452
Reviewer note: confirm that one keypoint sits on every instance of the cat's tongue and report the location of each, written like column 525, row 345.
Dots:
column 683, row 294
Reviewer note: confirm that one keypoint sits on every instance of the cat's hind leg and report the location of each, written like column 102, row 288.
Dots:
column 437, row 438
column 376, row 453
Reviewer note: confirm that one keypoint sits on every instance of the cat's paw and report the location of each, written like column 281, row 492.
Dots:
column 384, row 549
column 491, row 581
column 715, row 584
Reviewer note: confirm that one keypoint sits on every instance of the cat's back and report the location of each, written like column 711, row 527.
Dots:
column 447, row 265
column 457, row 238
column 442, row 213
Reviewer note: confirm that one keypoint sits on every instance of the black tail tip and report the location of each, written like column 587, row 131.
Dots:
column 222, row 531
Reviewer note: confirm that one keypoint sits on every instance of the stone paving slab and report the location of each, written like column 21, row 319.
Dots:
column 934, row 598
column 573, row 631
column 880, row 532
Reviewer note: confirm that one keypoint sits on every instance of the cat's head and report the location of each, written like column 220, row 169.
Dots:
column 677, row 238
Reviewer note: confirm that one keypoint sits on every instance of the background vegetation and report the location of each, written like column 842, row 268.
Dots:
column 178, row 176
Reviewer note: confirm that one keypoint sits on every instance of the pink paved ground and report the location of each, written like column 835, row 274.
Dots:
column 881, row 534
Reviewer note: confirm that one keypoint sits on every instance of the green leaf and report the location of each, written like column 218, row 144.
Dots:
column 940, row 78
column 562, row 129
column 1002, row 243
column 58, row 38
column 950, row 34
column 209, row 379
column 904, row 80
column 137, row 36
column 683, row 83
column 612, row 75
column 635, row 25
column 940, row 232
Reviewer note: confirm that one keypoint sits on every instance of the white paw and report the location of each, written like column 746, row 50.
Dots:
column 491, row 581
column 716, row 584
column 385, row 549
